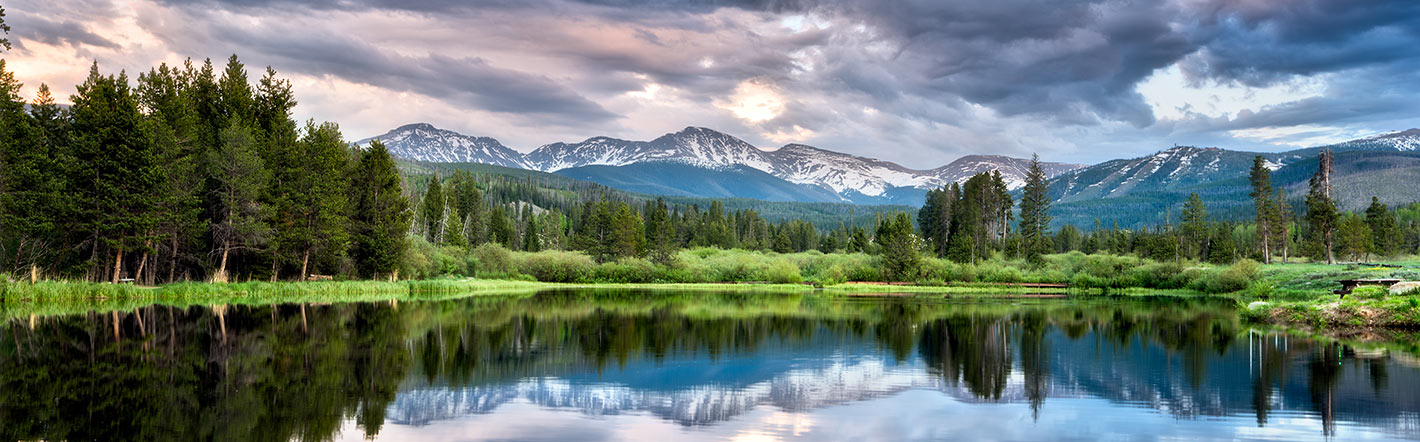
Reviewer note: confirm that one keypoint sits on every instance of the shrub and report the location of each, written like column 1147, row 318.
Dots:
column 493, row 259
column 556, row 266
column 626, row 270
column 782, row 271
column 1236, row 277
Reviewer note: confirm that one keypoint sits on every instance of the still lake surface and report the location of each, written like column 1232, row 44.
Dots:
column 637, row 365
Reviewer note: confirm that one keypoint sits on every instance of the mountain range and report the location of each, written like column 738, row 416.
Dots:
column 1134, row 192
column 702, row 162
column 1149, row 190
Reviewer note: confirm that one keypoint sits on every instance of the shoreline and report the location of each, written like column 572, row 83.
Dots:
column 1365, row 312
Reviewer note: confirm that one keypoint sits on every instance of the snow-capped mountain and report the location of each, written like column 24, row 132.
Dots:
column 696, row 146
column 425, row 142
column 1177, row 167
column 841, row 172
column 1013, row 170
column 853, row 178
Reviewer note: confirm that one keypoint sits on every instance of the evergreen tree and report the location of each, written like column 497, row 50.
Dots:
column 453, row 229
column 1382, row 225
column 31, row 185
column 858, row 241
column 432, row 210
column 1222, row 249
column 1353, row 236
column 782, row 243
column 115, row 171
column 1321, row 210
column 235, row 98
column 319, row 217
column 1261, row 178
column 660, row 233
column 1035, row 213
column 240, row 179
column 500, row 230
column 898, row 246
column 1195, row 226
column 162, row 91
column 380, row 214
column 532, row 236
column 627, row 232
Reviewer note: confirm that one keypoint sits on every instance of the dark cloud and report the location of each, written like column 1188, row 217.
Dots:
column 55, row 32
column 931, row 67
column 469, row 81
column 1262, row 43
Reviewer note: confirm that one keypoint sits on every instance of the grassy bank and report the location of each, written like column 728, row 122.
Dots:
column 1291, row 294
column 710, row 265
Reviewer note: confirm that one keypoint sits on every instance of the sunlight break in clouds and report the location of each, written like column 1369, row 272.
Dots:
column 754, row 101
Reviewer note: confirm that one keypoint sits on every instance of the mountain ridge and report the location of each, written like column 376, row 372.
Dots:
column 851, row 177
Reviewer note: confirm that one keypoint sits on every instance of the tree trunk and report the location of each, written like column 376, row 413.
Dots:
column 1286, row 238
column 221, row 275
column 1266, row 243
column 142, row 261
column 172, row 263
column 117, row 264
column 305, row 261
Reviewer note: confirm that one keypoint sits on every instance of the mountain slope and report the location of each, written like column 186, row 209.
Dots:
column 1150, row 190
column 424, row 142
column 804, row 169
column 670, row 178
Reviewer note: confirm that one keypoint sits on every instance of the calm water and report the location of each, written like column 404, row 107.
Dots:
column 673, row 366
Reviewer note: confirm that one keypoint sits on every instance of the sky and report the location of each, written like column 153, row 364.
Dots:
column 919, row 82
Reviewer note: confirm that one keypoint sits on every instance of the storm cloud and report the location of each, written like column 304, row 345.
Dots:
column 899, row 80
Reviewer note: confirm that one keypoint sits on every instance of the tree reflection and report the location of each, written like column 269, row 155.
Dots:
column 302, row 371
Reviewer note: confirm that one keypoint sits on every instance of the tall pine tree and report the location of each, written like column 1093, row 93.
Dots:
column 380, row 214
column 1035, row 213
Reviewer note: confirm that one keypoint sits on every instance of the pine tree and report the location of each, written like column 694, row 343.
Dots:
column 453, row 229
column 1321, row 209
column 163, row 92
column 1382, row 225
column 319, row 216
column 116, row 169
column 782, row 243
column 532, row 235
column 1353, row 236
column 31, row 185
column 1222, row 249
column 1261, row 178
column 898, row 246
column 432, row 210
column 240, row 180
column 627, row 232
column 380, row 215
column 500, row 230
column 660, row 233
column 1035, row 213
column 1195, row 226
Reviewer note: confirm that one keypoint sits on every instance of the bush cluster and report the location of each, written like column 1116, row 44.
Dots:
column 713, row 265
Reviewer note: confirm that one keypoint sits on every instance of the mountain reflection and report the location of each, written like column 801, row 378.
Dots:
column 302, row 371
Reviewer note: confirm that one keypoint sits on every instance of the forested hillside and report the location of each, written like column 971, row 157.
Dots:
column 504, row 185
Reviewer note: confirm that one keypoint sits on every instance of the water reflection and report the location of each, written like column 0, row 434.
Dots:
column 700, row 361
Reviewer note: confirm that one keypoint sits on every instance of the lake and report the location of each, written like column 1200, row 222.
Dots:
column 637, row 365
